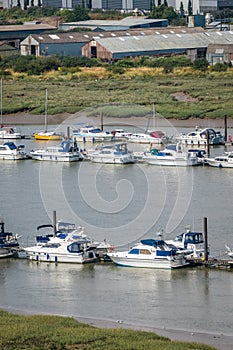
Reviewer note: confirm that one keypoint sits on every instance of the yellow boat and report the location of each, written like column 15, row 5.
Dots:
column 47, row 136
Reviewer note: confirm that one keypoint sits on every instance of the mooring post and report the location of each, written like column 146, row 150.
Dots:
column 205, row 241
column 54, row 223
column 208, row 142
column 225, row 127
column 68, row 132
column 101, row 121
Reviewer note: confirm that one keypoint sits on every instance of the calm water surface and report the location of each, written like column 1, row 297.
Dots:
column 121, row 204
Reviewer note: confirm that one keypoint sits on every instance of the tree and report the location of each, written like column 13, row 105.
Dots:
column 39, row 3
column 181, row 9
column 165, row 3
column 190, row 8
column 18, row 3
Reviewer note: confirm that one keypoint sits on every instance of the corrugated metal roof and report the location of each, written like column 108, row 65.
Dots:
column 74, row 37
column 128, row 21
column 26, row 27
column 165, row 42
column 226, row 48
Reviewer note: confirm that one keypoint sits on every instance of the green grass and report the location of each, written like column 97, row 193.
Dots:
column 213, row 95
column 60, row 333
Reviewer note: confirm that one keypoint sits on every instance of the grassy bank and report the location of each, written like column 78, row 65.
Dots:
column 56, row 333
column 207, row 95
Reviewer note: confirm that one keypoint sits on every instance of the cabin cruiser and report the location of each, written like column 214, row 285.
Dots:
column 91, row 133
column 120, row 134
column 172, row 155
column 190, row 242
column 9, row 151
column 9, row 133
column 8, row 242
column 199, row 137
column 69, row 243
column 154, row 137
column 150, row 253
column 223, row 161
column 65, row 152
column 112, row 154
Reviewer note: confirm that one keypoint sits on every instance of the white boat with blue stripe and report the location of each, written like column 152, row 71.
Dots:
column 150, row 253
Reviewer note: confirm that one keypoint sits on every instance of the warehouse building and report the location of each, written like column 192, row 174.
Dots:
column 193, row 45
column 123, row 24
column 70, row 44
column 219, row 53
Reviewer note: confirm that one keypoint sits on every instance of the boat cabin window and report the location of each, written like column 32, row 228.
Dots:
column 134, row 251
column 75, row 248
column 194, row 238
column 52, row 245
column 145, row 251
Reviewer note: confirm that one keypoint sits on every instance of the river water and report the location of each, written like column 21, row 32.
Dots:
column 120, row 204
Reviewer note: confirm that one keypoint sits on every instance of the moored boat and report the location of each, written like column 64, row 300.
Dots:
column 191, row 242
column 65, row 152
column 201, row 137
column 223, row 161
column 69, row 245
column 8, row 242
column 9, row 151
column 172, row 155
column 150, row 253
column 154, row 137
column 47, row 136
column 91, row 134
column 9, row 133
column 112, row 154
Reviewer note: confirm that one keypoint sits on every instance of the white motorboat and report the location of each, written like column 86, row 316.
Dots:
column 154, row 137
column 65, row 152
column 92, row 134
column 9, row 133
column 199, row 137
column 112, row 154
column 68, row 248
column 190, row 242
column 172, row 155
column 150, row 253
column 120, row 134
column 69, row 244
column 9, row 151
column 223, row 161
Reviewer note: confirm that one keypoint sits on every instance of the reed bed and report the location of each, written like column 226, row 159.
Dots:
column 72, row 92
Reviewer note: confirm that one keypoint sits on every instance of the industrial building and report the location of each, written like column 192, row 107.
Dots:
column 14, row 34
column 219, row 53
column 111, row 25
column 70, row 44
column 192, row 45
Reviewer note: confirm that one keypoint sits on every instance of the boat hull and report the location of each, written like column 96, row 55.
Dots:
column 47, row 137
column 46, row 256
column 56, row 158
column 111, row 160
column 13, row 156
column 170, row 162
column 158, row 263
column 219, row 164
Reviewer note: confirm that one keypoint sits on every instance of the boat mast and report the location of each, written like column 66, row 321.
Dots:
column 46, row 108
